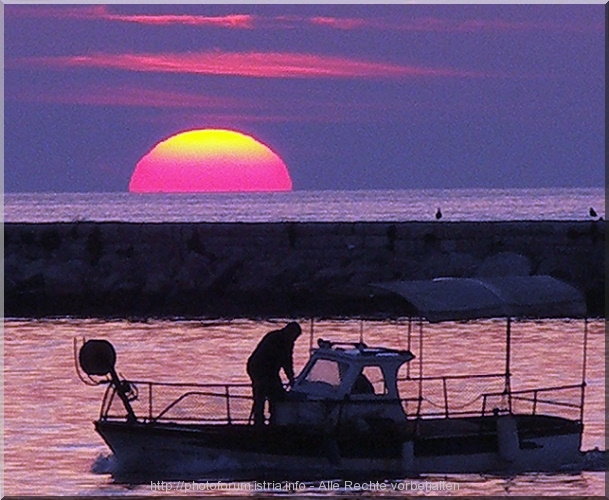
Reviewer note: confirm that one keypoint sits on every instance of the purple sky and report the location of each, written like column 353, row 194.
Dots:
column 350, row 96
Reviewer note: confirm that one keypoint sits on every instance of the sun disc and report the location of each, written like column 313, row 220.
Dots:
column 210, row 160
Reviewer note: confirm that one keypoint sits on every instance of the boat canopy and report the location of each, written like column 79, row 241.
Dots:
column 446, row 299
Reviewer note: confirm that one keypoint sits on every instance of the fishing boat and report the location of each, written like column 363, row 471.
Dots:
column 351, row 411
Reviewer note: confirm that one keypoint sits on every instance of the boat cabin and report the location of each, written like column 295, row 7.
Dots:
column 358, row 379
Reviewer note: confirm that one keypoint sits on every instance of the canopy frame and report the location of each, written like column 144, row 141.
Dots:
column 455, row 299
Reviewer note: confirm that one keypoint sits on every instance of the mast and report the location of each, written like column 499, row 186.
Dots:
column 585, row 355
column 508, row 349
column 311, row 336
column 420, row 368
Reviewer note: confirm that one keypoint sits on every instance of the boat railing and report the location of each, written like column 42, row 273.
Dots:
column 482, row 394
column 429, row 397
column 446, row 395
column 563, row 400
column 179, row 402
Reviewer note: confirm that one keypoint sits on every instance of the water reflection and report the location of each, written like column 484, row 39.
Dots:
column 51, row 446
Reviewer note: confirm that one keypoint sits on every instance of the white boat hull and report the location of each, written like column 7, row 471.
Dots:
column 174, row 451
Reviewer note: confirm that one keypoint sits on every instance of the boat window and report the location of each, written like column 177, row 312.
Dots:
column 370, row 381
column 327, row 371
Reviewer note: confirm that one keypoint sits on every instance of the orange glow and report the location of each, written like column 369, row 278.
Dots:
column 210, row 160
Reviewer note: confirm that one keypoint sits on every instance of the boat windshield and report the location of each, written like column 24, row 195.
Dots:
column 327, row 371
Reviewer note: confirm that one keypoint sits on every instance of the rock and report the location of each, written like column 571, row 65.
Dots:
column 167, row 269
column 33, row 274
column 453, row 265
column 194, row 272
column 66, row 278
column 504, row 264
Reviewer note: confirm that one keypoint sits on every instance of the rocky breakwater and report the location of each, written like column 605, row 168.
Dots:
column 276, row 269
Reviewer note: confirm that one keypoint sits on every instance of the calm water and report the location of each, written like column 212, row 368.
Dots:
column 333, row 206
column 52, row 449
column 50, row 445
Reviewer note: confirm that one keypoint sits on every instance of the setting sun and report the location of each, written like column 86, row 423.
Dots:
column 210, row 160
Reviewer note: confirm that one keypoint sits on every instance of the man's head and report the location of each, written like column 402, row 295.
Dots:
column 293, row 330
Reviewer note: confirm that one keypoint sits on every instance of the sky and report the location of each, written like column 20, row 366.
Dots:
column 349, row 96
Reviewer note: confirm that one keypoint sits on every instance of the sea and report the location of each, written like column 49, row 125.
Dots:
column 50, row 445
column 310, row 206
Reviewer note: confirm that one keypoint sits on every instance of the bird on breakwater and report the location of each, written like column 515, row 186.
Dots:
column 592, row 212
column 438, row 214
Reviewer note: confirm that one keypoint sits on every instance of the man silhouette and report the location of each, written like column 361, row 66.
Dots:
column 273, row 353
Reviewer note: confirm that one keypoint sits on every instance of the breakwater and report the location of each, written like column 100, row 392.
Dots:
column 276, row 269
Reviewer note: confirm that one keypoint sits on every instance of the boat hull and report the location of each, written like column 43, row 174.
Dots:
column 483, row 444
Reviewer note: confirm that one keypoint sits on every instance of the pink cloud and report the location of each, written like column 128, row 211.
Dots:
column 177, row 105
column 248, row 64
column 342, row 23
column 442, row 25
column 243, row 21
column 102, row 13
column 208, row 109
column 248, row 21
